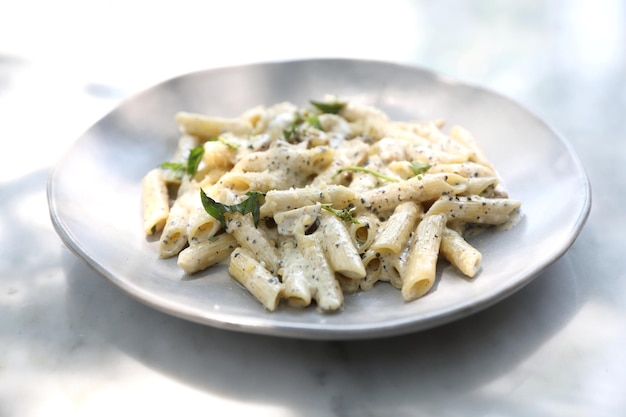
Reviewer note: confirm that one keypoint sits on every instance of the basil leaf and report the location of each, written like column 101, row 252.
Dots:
column 314, row 121
column 195, row 156
column 419, row 167
column 177, row 168
column 213, row 208
column 252, row 205
column 218, row 210
column 328, row 107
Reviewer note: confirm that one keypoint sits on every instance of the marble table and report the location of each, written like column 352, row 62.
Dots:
column 73, row 344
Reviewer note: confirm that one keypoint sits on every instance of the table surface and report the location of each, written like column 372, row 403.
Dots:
column 73, row 344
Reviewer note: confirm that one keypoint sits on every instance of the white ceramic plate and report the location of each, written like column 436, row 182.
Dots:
column 95, row 204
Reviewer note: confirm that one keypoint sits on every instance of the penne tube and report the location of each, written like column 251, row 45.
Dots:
column 156, row 205
column 467, row 169
column 493, row 211
column 297, row 220
column 296, row 288
column 348, row 285
column 325, row 288
column 390, row 272
column 460, row 253
column 253, row 239
column 283, row 200
column 418, row 189
column 373, row 267
column 199, row 256
column 201, row 226
column 394, row 233
column 419, row 275
column 206, row 127
column 242, row 182
column 477, row 186
column 364, row 231
column 174, row 236
column 250, row 273
column 337, row 244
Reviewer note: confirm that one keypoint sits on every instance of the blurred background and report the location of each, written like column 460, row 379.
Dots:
column 65, row 63
column 71, row 344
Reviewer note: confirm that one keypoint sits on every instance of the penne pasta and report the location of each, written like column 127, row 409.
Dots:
column 308, row 203
column 460, row 253
column 337, row 244
column 296, row 286
column 252, row 274
column 253, row 239
column 476, row 209
column 419, row 275
column 156, row 206
column 199, row 256
column 394, row 234
column 326, row 290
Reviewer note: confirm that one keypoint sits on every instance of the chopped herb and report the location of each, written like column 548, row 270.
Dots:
column 367, row 171
column 217, row 210
column 328, row 107
column 314, row 121
column 291, row 134
column 191, row 167
column 344, row 214
column 177, row 168
column 419, row 167
column 195, row 156
column 230, row 143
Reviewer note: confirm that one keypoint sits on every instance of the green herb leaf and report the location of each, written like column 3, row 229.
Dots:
column 190, row 168
column 419, row 167
column 218, row 210
column 314, row 121
column 230, row 143
column 328, row 107
column 291, row 134
column 367, row 171
column 178, row 169
column 345, row 214
column 195, row 156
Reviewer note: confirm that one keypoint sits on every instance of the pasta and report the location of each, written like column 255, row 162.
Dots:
column 308, row 203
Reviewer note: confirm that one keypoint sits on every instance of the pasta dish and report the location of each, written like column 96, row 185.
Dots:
column 308, row 203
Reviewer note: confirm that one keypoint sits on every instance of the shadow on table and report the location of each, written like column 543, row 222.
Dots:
column 395, row 374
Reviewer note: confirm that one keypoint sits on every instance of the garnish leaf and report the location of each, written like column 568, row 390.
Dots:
column 230, row 143
column 190, row 168
column 195, row 156
column 345, row 214
column 328, row 107
column 291, row 134
column 177, row 168
column 419, row 167
column 314, row 121
column 367, row 171
column 218, row 210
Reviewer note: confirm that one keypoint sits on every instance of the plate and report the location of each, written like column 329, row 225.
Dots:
column 95, row 203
